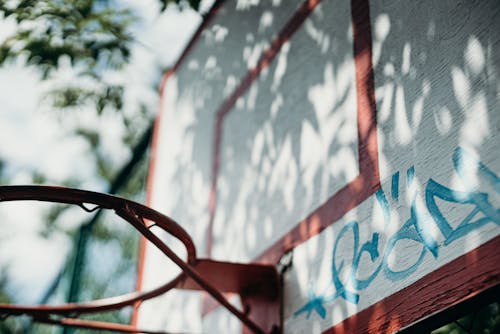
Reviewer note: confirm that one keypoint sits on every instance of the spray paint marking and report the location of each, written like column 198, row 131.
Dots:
column 395, row 186
column 346, row 283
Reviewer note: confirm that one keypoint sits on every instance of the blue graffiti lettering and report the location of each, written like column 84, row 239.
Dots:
column 415, row 229
column 479, row 200
column 395, row 186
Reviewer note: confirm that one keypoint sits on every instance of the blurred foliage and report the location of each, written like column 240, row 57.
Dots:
column 82, row 30
column 195, row 4
column 93, row 38
column 483, row 321
column 4, row 298
column 93, row 34
column 7, row 325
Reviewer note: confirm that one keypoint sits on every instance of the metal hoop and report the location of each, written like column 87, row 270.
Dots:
column 238, row 277
column 130, row 211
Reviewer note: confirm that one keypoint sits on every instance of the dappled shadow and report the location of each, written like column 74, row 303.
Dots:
column 257, row 147
column 278, row 157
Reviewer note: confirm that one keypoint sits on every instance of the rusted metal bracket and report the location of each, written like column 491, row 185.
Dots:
column 257, row 285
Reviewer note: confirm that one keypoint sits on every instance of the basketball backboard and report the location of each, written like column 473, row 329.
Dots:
column 359, row 138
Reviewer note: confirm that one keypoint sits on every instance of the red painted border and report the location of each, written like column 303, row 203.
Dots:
column 154, row 147
column 149, row 195
column 453, row 283
column 204, row 24
column 368, row 180
column 267, row 57
column 459, row 280
column 265, row 60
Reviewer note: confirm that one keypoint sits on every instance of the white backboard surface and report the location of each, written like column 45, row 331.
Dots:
column 360, row 136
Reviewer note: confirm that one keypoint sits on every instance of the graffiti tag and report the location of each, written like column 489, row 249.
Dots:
column 345, row 281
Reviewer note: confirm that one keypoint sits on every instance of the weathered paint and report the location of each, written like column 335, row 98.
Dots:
column 362, row 136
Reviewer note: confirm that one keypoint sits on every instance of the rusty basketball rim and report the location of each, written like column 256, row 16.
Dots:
column 257, row 284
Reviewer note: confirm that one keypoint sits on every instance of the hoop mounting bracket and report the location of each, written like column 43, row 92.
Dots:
column 258, row 286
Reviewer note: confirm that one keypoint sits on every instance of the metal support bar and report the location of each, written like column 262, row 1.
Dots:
column 192, row 273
